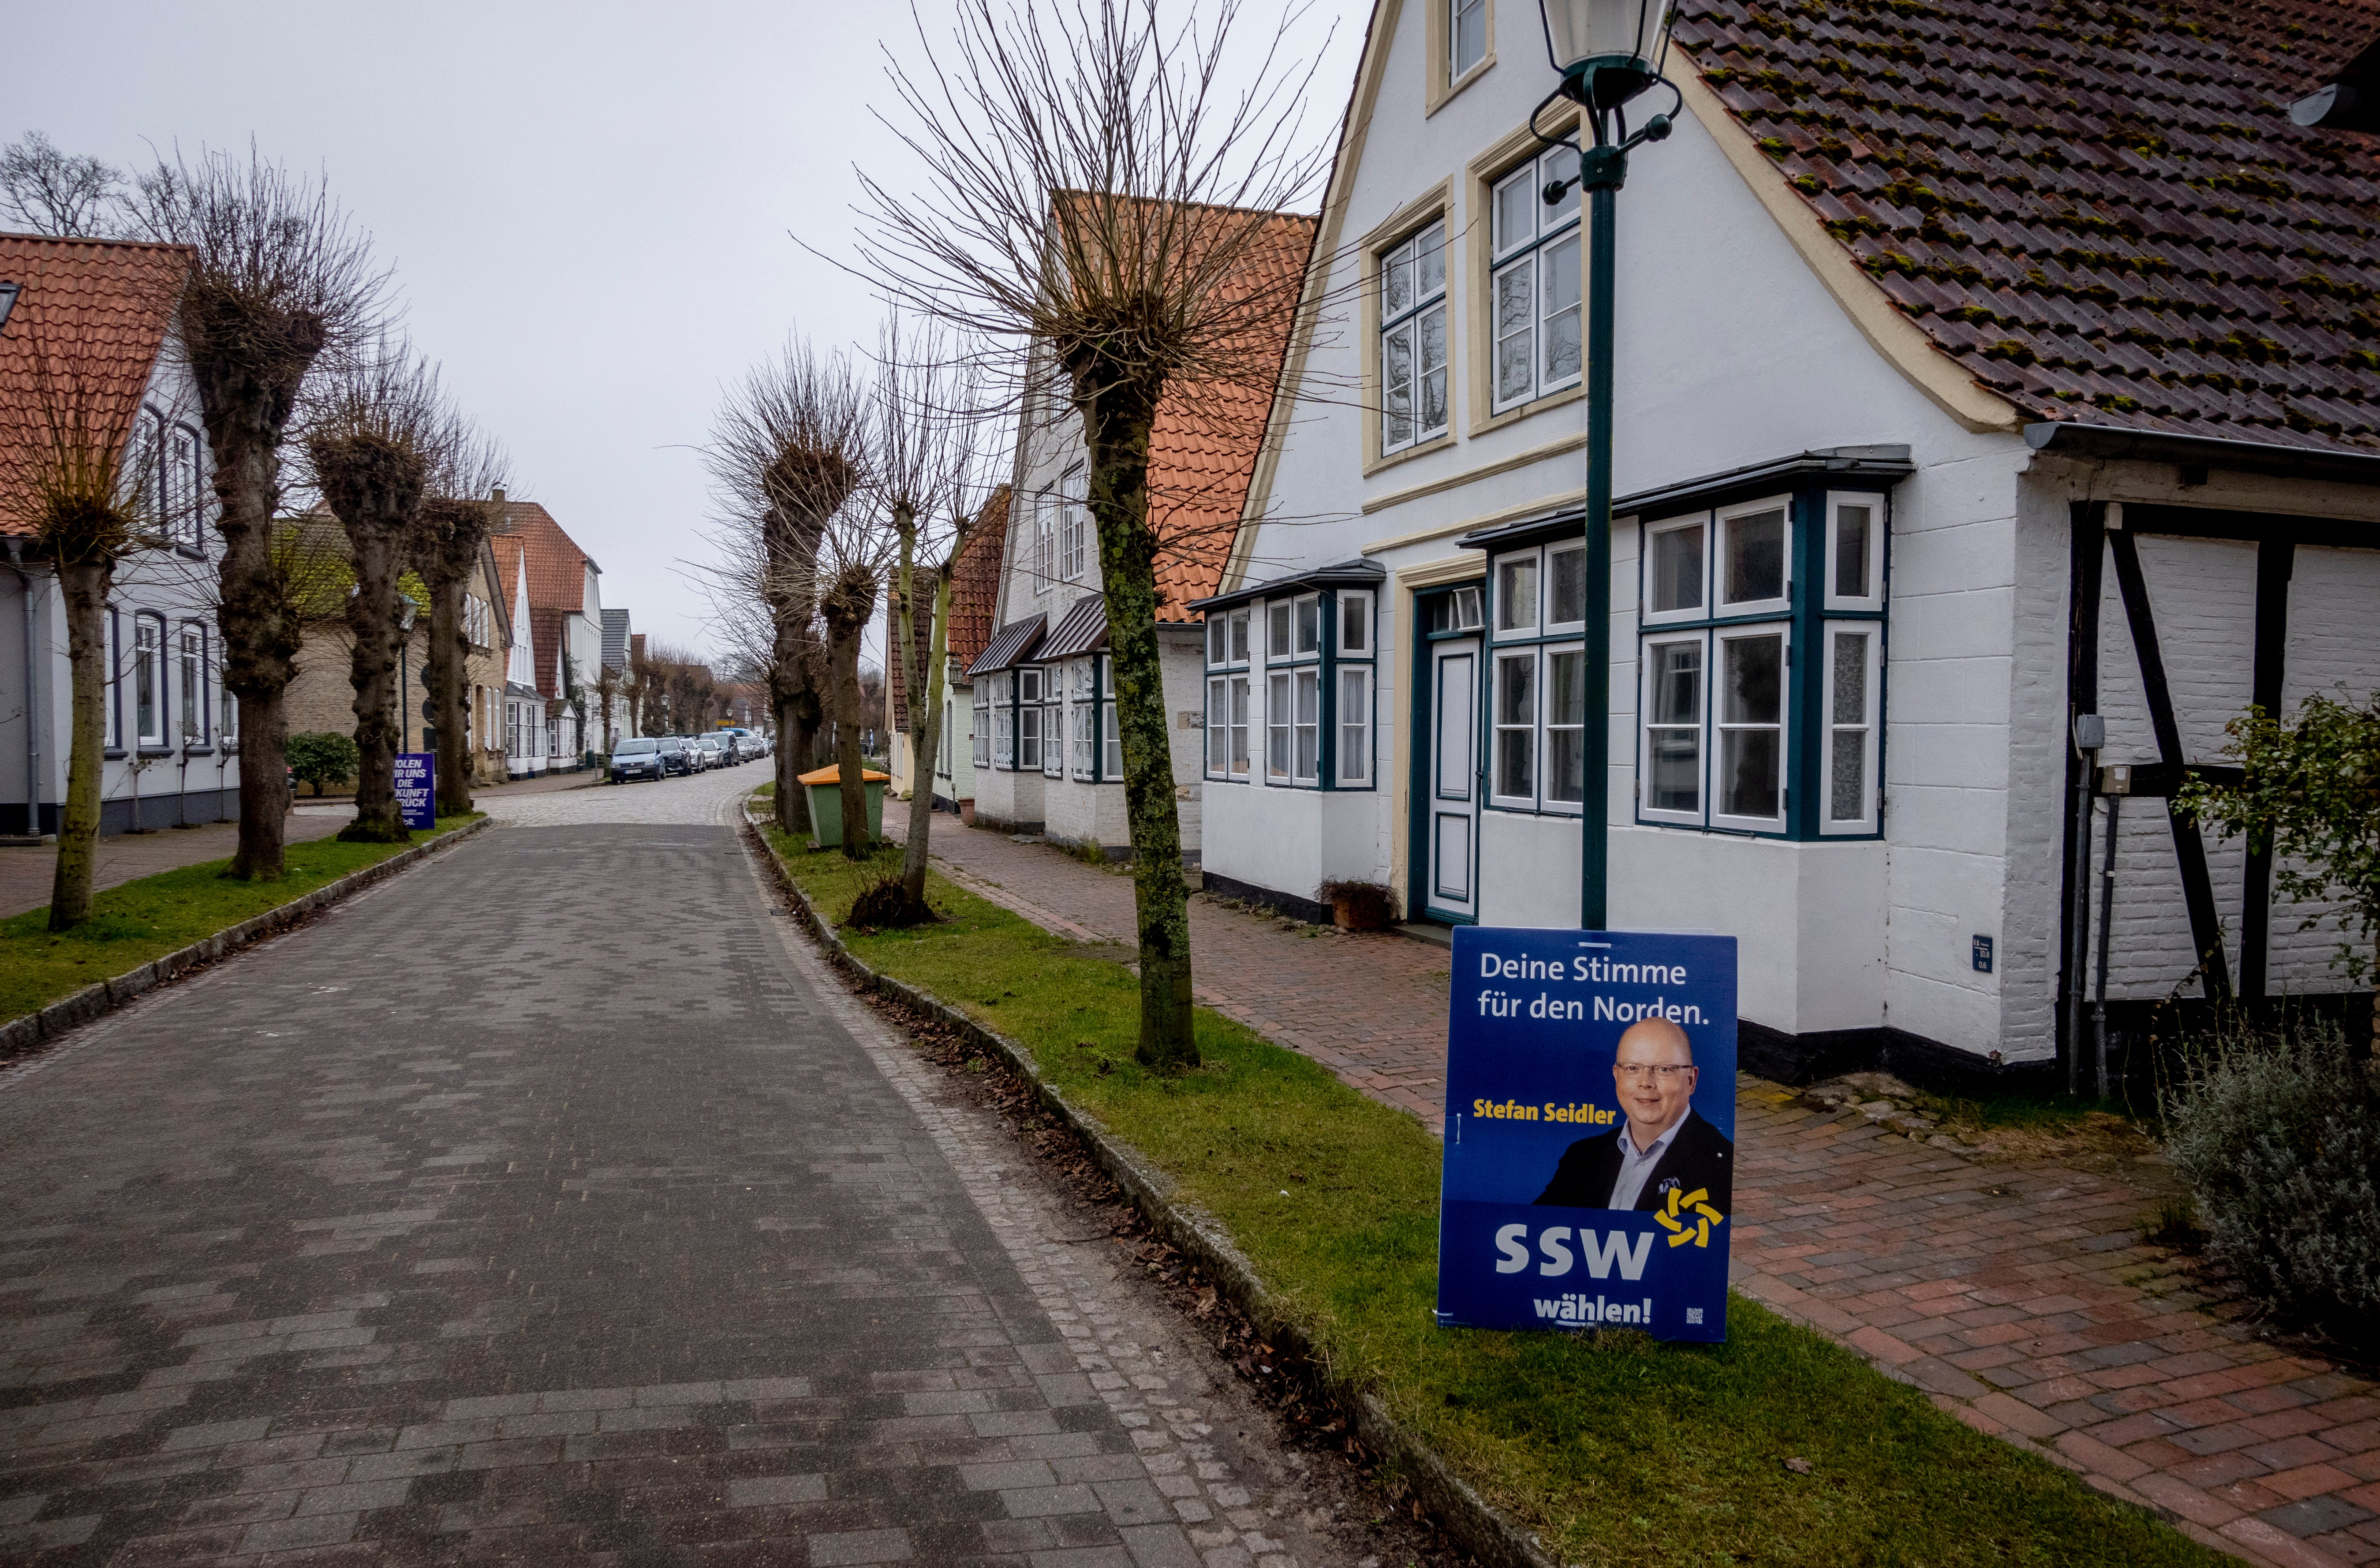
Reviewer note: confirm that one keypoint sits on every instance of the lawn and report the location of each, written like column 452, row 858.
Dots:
column 1617, row 1451
column 138, row 922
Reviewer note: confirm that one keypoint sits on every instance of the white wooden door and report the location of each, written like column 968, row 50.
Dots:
column 1452, row 817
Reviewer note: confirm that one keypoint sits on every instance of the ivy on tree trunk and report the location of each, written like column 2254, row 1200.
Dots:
column 1117, row 417
column 84, row 586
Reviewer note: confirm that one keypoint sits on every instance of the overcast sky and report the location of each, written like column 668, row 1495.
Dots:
column 587, row 204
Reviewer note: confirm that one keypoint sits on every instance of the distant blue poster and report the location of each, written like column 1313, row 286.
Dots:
column 416, row 787
column 1590, row 1131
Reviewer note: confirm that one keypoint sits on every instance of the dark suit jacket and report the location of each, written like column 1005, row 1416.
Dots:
column 1697, row 1157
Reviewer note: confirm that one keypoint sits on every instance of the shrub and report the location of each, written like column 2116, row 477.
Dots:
column 885, row 905
column 2279, row 1136
column 322, row 757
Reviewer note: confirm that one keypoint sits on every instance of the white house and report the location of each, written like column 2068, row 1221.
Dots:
column 557, row 594
column 96, row 316
column 1045, row 680
column 1948, row 407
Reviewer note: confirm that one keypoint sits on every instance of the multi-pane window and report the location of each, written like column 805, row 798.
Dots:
column 1412, row 340
column 1351, row 762
column 1000, row 692
column 1227, row 694
column 1045, row 541
column 1110, row 739
column 183, row 486
column 1760, row 660
column 1084, row 704
column 1538, row 704
column 1534, row 286
column 1466, row 35
column 148, row 679
column 1293, row 726
column 979, row 733
column 1073, row 524
column 1316, row 730
column 1515, row 712
column 1028, row 718
column 192, row 672
column 1054, row 721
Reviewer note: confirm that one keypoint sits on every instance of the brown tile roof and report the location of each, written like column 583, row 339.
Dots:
column 2102, row 213
column 557, row 567
column 509, row 554
column 89, row 320
column 975, row 585
column 896, row 684
column 1202, row 449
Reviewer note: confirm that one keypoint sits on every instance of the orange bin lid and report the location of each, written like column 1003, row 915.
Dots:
column 832, row 773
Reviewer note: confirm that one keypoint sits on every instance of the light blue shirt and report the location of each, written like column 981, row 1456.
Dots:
column 1629, row 1186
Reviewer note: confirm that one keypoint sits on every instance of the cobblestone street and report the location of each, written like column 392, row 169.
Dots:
column 453, row 1227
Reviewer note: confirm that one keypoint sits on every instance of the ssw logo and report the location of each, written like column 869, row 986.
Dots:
column 1553, row 1247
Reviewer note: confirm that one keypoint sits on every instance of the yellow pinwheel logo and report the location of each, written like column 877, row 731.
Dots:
column 1688, row 1218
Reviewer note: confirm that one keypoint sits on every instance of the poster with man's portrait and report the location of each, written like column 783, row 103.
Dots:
column 1590, row 1131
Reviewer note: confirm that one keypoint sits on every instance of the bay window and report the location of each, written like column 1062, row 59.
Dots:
column 1534, row 282
column 1750, row 780
column 1412, row 341
column 1314, row 679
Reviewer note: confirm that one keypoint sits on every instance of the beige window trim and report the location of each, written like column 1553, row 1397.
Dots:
column 1521, row 459
column 1441, row 55
column 1480, row 176
column 1541, row 507
column 1400, row 225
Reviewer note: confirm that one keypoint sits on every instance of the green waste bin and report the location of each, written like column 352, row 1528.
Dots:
column 824, row 787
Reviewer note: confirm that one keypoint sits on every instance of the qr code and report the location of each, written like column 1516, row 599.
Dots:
column 1694, row 1315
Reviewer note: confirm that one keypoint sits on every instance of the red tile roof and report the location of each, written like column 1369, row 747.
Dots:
column 1202, row 450
column 557, row 567
column 545, row 643
column 90, row 320
column 975, row 585
column 2102, row 213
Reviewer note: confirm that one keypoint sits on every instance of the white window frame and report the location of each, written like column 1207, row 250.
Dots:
column 1502, row 659
column 1305, row 622
column 1353, row 719
column 183, row 475
column 1280, row 696
column 1280, row 617
column 1053, row 722
column 1719, row 726
column 1698, row 639
column 149, row 669
column 1547, row 728
column 1355, row 609
column 1648, row 533
column 1044, row 544
column 1533, row 563
column 1074, row 523
column 1456, row 66
column 1464, row 607
column 1082, row 704
column 1408, row 322
column 944, row 762
column 1713, row 583
column 1533, row 258
column 1111, row 737
column 190, row 670
column 1305, row 725
column 1874, row 598
column 1030, row 742
column 1830, row 825
column 1551, row 626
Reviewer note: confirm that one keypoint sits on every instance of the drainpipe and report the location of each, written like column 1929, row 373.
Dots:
column 32, row 695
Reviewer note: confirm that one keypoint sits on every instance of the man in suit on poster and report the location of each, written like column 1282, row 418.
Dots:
column 1663, row 1144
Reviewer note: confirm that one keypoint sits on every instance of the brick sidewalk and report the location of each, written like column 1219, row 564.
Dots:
column 27, row 871
column 2017, row 1294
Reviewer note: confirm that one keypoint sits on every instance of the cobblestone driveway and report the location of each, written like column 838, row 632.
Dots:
column 547, row 1204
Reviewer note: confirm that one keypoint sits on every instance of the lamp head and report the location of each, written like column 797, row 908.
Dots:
column 1608, row 51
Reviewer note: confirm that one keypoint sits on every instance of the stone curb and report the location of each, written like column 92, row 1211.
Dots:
column 1470, row 1520
column 21, row 1035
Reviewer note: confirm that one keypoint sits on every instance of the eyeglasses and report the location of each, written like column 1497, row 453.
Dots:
column 1643, row 1073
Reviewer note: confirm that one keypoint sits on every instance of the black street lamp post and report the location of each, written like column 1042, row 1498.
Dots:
column 1608, row 52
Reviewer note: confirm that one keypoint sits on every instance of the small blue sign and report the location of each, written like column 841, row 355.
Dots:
column 1590, row 1131
column 1981, row 955
column 417, row 788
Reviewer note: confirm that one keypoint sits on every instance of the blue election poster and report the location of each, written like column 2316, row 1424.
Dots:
column 1590, row 1131
column 417, row 788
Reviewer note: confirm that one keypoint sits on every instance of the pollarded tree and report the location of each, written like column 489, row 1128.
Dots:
column 1099, row 195
column 75, row 476
column 282, row 278
column 788, row 449
column 457, row 513
column 379, row 430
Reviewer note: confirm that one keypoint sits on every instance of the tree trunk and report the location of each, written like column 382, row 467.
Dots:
column 843, row 654
column 442, row 678
column 1117, row 415
column 84, row 587
column 925, row 727
column 372, row 619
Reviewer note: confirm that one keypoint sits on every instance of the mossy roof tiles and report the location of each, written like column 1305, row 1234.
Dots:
column 2102, row 211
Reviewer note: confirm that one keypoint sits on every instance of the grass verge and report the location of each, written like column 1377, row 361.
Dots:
column 1615, row 1451
column 138, row 922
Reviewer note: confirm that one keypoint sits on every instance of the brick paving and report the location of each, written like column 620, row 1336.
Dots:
column 27, row 871
column 546, row 1204
column 2017, row 1294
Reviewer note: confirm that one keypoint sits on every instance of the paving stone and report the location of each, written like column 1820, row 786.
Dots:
column 596, row 1239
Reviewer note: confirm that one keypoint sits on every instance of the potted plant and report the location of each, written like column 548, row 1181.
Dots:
column 1360, row 907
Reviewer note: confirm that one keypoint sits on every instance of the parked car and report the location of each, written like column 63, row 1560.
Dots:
column 716, row 747
column 737, row 750
column 638, row 759
column 675, row 758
